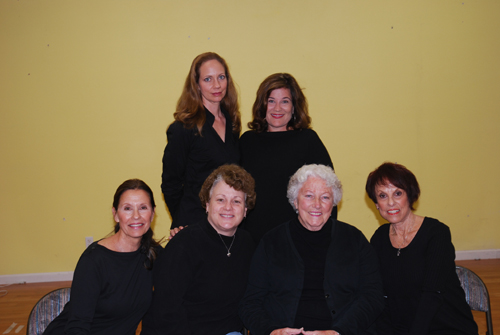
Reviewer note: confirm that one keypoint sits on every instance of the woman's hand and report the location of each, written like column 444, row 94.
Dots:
column 320, row 332
column 287, row 331
column 174, row 231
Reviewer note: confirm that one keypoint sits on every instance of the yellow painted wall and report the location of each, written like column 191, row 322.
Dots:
column 87, row 89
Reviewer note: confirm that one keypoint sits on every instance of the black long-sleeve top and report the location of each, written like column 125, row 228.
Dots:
column 422, row 290
column 197, row 287
column 272, row 158
column 110, row 293
column 188, row 160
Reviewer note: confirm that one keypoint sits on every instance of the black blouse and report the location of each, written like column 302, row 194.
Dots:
column 188, row 160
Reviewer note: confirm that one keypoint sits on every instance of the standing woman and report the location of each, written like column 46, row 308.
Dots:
column 417, row 262
column 279, row 143
column 203, row 137
column 112, row 286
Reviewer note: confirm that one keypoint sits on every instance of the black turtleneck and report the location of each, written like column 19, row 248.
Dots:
column 312, row 312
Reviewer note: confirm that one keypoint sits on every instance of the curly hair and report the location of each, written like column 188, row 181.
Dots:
column 190, row 110
column 314, row 170
column 300, row 119
column 149, row 245
column 397, row 175
column 234, row 176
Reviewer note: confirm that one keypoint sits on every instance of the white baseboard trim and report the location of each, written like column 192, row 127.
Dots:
column 66, row 276
column 36, row 277
column 463, row 255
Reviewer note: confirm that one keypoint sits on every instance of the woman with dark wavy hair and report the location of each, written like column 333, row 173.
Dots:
column 279, row 143
column 203, row 137
column 112, row 283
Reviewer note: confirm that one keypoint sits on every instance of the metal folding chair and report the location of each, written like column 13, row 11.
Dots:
column 476, row 294
column 46, row 310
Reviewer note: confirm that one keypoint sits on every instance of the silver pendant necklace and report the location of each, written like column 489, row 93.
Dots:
column 228, row 249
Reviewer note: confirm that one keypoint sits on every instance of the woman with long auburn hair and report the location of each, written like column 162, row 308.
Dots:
column 203, row 137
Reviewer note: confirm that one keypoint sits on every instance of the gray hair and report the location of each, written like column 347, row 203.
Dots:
column 314, row 170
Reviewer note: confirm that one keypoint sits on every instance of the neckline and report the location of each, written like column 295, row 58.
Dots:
column 398, row 250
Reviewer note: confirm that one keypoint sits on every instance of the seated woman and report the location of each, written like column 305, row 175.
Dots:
column 313, row 274
column 202, row 274
column 112, row 284
column 417, row 261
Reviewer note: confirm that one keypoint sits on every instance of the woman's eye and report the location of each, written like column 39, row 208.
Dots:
column 270, row 101
column 222, row 77
column 399, row 193
column 126, row 208
column 286, row 101
column 381, row 196
column 206, row 79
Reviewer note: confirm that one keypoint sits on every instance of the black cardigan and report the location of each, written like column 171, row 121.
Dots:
column 353, row 287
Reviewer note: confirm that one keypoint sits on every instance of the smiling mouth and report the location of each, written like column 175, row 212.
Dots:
column 277, row 116
column 227, row 216
column 395, row 211
column 136, row 225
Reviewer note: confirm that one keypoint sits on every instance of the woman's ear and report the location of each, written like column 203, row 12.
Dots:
column 115, row 214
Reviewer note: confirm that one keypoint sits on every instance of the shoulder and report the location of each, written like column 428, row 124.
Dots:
column 248, row 136
column 189, row 234
column 277, row 237
column 178, row 128
column 434, row 226
column 244, row 236
column 347, row 233
column 307, row 133
column 380, row 234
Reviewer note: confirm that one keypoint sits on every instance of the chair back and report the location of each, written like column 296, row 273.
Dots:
column 46, row 310
column 476, row 294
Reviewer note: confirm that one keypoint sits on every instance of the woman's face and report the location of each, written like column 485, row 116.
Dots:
column 212, row 82
column 226, row 208
column 134, row 213
column 392, row 203
column 314, row 203
column 279, row 110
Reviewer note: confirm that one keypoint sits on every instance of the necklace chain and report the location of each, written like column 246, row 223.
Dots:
column 228, row 249
column 403, row 244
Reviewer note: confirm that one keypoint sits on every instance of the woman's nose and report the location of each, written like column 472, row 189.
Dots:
column 136, row 213
column 317, row 203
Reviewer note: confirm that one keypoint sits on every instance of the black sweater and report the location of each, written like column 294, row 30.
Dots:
column 197, row 287
column 423, row 293
column 272, row 158
column 110, row 293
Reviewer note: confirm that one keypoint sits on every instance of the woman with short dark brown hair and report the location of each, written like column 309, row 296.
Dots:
column 417, row 261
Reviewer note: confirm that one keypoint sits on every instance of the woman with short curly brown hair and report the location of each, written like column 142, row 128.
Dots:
column 202, row 275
